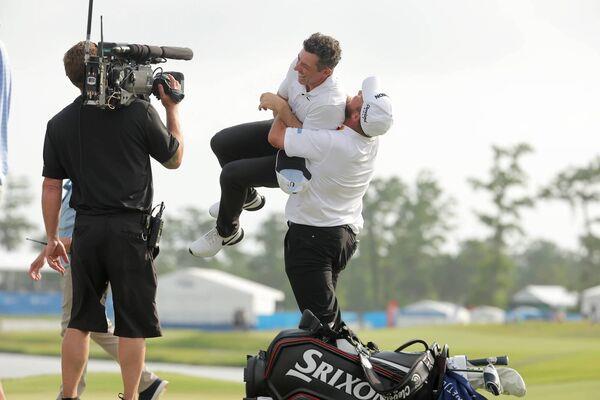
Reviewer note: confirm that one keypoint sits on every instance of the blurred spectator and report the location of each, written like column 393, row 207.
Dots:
column 5, row 88
column 595, row 314
column 4, row 111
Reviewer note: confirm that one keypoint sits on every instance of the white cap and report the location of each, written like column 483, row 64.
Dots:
column 292, row 175
column 376, row 112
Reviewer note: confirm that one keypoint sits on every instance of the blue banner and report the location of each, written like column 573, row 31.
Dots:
column 19, row 303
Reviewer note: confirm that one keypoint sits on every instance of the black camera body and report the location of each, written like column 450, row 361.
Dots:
column 120, row 73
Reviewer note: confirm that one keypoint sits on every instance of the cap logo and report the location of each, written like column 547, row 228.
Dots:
column 365, row 111
column 380, row 95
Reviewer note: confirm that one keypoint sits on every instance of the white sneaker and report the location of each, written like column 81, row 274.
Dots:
column 211, row 243
column 253, row 204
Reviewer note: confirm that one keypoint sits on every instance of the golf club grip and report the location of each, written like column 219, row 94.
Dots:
column 500, row 360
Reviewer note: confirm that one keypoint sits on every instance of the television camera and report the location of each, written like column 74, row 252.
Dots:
column 120, row 72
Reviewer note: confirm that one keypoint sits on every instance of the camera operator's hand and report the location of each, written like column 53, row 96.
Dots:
column 55, row 251
column 271, row 101
column 166, row 101
column 172, row 121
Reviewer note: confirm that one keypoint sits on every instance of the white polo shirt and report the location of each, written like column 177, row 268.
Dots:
column 341, row 163
column 321, row 108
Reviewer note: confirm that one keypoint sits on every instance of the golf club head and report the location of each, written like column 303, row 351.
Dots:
column 492, row 380
column 512, row 382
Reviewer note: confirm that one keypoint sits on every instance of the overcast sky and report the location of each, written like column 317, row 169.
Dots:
column 462, row 75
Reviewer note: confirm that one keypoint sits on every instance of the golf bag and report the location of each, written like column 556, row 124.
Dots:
column 306, row 364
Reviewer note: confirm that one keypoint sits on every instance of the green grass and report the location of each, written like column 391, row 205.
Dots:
column 187, row 347
column 557, row 361
column 106, row 386
column 541, row 352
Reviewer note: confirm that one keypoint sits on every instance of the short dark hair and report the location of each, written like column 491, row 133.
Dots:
column 326, row 48
column 74, row 62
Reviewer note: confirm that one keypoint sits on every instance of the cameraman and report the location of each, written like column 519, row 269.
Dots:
column 325, row 219
column 106, row 154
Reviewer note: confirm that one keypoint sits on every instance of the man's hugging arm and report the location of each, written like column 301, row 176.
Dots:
column 277, row 133
column 280, row 108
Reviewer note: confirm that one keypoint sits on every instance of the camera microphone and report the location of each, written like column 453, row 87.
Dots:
column 177, row 53
column 142, row 52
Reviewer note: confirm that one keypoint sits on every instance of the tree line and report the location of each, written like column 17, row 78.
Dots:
column 403, row 253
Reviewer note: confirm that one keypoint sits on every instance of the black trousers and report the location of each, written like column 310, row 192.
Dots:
column 247, row 161
column 112, row 249
column 314, row 258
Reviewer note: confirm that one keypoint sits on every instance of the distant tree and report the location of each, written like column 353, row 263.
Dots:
column 180, row 229
column 421, row 229
column 505, row 185
column 266, row 265
column 14, row 222
column 471, row 273
column 363, row 284
column 453, row 278
column 360, row 286
column 404, row 230
column 505, row 177
column 579, row 187
column 544, row 263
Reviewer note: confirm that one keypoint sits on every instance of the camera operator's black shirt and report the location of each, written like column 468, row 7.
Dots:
column 106, row 153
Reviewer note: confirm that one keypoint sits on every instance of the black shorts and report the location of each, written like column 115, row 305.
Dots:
column 111, row 249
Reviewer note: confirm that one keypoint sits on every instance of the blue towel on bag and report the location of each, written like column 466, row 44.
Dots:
column 455, row 387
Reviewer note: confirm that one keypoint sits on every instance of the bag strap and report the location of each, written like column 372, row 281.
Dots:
column 410, row 343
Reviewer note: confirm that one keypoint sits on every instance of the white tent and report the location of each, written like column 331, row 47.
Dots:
column 554, row 297
column 16, row 260
column 433, row 312
column 488, row 315
column 14, row 266
column 590, row 301
column 211, row 298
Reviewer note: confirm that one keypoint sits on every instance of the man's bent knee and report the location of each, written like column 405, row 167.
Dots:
column 231, row 174
column 75, row 331
column 218, row 143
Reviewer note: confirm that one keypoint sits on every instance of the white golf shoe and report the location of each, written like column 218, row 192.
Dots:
column 254, row 204
column 211, row 243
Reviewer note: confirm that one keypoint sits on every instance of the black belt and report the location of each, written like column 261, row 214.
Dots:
column 346, row 226
column 143, row 217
